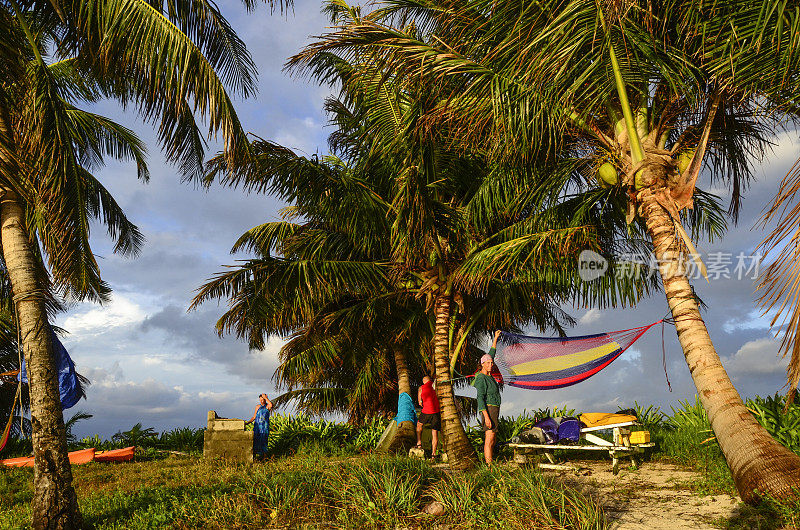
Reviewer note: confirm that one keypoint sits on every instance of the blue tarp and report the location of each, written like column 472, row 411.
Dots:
column 405, row 409
column 68, row 386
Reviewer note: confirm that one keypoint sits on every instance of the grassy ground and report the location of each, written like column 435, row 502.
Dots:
column 307, row 490
column 321, row 474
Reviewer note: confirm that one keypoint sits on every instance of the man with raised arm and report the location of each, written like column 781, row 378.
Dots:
column 488, row 399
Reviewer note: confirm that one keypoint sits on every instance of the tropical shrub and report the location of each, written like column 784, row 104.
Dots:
column 16, row 446
column 650, row 417
column 293, row 434
column 689, row 416
column 184, row 439
column 686, row 438
column 784, row 426
column 136, row 435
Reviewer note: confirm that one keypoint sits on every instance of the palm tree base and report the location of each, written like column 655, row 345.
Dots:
column 404, row 439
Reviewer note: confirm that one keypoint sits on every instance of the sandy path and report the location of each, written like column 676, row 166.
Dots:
column 655, row 497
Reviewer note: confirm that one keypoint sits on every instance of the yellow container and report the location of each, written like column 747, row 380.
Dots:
column 640, row 437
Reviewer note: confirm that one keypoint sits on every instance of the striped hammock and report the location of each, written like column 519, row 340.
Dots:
column 7, row 430
column 545, row 363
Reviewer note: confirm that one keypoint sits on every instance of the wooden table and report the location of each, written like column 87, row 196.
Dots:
column 618, row 446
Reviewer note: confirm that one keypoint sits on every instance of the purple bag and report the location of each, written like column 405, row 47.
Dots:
column 569, row 430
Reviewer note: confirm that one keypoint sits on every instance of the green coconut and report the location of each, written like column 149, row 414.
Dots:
column 684, row 159
column 638, row 180
column 607, row 175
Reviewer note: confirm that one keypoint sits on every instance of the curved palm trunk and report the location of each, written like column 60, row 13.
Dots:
column 756, row 460
column 460, row 453
column 406, row 436
column 54, row 502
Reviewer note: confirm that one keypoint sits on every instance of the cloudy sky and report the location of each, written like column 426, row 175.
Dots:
column 153, row 362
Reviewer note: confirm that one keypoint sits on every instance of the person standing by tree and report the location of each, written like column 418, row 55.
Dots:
column 430, row 415
column 488, row 399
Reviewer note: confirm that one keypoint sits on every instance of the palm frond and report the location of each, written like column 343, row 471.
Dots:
column 779, row 284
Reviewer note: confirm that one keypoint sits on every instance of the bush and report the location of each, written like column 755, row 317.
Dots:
column 17, row 447
column 184, row 439
column 650, row 417
column 686, row 438
column 293, row 434
column 783, row 426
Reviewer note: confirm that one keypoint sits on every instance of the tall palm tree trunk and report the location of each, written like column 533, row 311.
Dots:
column 460, row 453
column 54, row 503
column 403, row 377
column 406, row 436
column 756, row 460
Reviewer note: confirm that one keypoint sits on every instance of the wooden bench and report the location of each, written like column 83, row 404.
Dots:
column 618, row 446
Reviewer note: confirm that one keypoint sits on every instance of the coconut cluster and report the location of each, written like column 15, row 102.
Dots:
column 659, row 169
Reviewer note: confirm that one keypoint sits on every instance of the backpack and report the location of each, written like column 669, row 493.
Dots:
column 569, row 430
column 549, row 427
column 534, row 435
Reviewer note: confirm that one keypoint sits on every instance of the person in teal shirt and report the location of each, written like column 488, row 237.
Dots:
column 488, row 399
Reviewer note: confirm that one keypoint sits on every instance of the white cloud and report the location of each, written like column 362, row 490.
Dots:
column 148, row 360
column 590, row 317
column 93, row 318
column 756, row 357
column 299, row 135
column 117, row 404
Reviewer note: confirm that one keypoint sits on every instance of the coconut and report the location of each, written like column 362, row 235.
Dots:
column 684, row 159
column 607, row 175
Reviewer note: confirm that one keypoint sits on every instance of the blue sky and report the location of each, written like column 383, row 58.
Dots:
column 153, row 362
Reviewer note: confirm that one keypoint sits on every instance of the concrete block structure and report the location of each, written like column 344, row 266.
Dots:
column 226, row 438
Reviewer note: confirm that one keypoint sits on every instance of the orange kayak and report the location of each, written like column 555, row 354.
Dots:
column 84, row 456
column 115, row 455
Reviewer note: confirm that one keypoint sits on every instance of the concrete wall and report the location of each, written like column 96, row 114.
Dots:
column 226, row 438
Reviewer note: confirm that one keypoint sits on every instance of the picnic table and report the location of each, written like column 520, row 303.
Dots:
column 619, row 446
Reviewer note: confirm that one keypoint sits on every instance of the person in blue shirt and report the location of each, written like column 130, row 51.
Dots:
column 488, row 399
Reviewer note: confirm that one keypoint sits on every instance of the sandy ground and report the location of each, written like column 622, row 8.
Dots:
column 655, row 496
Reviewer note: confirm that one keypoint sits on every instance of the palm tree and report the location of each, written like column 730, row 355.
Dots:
column 31, row 213
column 136, row 435
column 170, row 62
column 349, row 353
column 656, row 91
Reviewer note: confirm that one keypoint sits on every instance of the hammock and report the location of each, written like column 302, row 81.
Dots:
column 544, row 363
column 7, row 430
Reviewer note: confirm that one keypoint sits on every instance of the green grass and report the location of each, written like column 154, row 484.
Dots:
column 321, row 472
column 188, row 492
